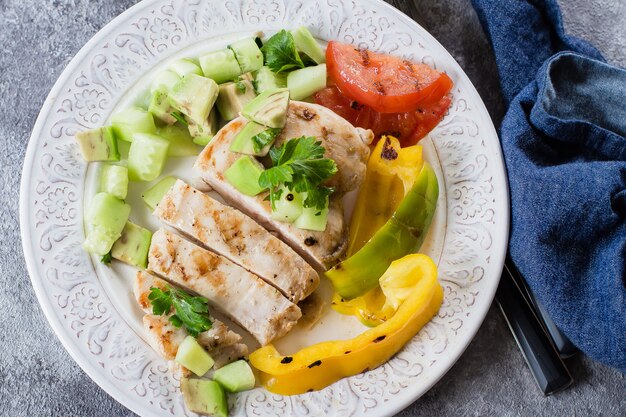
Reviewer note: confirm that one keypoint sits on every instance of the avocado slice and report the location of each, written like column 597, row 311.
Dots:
column 236, row 376
column 204, row 397
column 202, row 133
column 98, row 144
column 232, row 97
column 161, row 108
column 132, row 247
column 153, row 195
column 268, row 108
column 254, row 139
column 194, row 97
column 244, row 175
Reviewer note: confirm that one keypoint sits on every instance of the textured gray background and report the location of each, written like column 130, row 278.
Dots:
column 38, row 378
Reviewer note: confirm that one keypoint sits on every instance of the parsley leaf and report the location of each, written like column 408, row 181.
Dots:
column 299, row 164
column 190, row 312
column 241, row 86
column 106, row 259
column 280, row 52
column 264, row 138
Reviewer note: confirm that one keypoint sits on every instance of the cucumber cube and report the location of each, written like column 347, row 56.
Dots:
column 312, row 218
column 153, row 195
column 164, row 81
column 306, row 43
column 254, row 139
column 220, row 66
column 202, row 133
column 248, row 54
column 194, row 97
column 146, row 157
column 204, row 397
column 114, row 180
column 130, row 121
column 98, row 145
column 244, row 175
column 267, row 80
column 236, row 376
column 305, row 82
column 181, row 142
column 288, row 207
column 193, row 356
column 184, row 67
column 105, row 219
column 133, row 246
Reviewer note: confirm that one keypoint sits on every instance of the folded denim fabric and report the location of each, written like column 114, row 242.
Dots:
column 564, row 142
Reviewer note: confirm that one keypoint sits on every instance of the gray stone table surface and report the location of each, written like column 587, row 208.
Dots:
column 37, row 376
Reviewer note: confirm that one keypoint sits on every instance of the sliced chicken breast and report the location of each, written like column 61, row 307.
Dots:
column 346, row 145
column 223, row 345
column 247, row 299
column 232, row 234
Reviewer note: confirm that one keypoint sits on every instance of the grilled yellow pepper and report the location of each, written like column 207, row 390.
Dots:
column 319, row 365
column 402, row 232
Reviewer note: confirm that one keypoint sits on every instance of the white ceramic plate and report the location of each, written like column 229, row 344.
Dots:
column 91, row 306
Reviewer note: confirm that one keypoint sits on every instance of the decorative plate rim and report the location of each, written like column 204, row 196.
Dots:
column 409, row 394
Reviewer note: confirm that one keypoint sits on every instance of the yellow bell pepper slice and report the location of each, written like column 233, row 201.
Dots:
column 319, row 365
column 391, row 172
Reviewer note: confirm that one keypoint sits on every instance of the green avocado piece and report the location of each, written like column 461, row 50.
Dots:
column 244, row 175
column 268, row 108
column 233, row 96
column 202, row 133
column 132, row 247
column 161, row 108
column 98, row 144
column 194, row 97
column 204, row 396
column 254, row 139
column 153, row 195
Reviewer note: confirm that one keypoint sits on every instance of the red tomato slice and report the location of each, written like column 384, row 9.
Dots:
column 386, row 83
column 408, row 127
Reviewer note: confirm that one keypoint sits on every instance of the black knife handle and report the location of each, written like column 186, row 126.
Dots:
column 562, row 344
column 544, row 361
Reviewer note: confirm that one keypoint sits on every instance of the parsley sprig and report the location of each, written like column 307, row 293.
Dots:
column 299, row 165
column 191, row 312
column 280, row 53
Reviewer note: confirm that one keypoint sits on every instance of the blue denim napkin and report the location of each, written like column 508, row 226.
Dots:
column 564, row 141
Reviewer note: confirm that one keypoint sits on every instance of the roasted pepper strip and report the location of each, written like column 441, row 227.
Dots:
column 403, row 233
column 391, row 171
column 318, row 366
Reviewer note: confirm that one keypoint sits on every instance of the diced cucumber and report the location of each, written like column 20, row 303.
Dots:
column 312, row 218
column 194, row 97
column 248, row 54
column 193, row 356
column 164, row 81
column 244, row 175
column 98, row 145
column 232, row 97
column 104, row 221
column 130, row 121
column 236, row 376
column 153, row 195
column 221, row 66
column 181, row 142
column 268, row 108
column 146, row 157
column 202, row 133
column 306, row 43
column 114, row 180
column 267, row 80
column 133, row 246
column 254, row 139
column 161, row 108
column 306, row 81
column 184, row 67
column 288, row 207
column 204, row 397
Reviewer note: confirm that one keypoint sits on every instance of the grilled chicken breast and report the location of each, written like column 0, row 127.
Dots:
column 223, row 344
column 346, row 145
column 247, row 299
column 232, row 234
